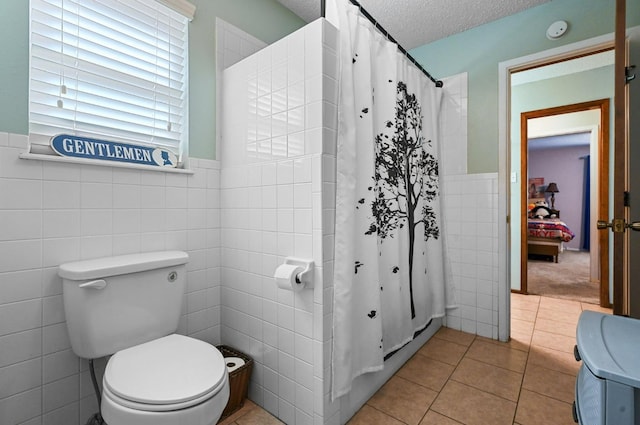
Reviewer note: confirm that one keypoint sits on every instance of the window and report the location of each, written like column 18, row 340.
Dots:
column 109, row 69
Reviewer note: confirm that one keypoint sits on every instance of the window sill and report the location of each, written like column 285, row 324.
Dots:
column 70, row 160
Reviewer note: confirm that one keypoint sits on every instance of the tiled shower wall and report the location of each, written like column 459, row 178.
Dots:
column 277, row 195
column 232, row 45
column 472, row 229
column 471, row 202
column 261, row 227
column 453, row 125
column 51, row 213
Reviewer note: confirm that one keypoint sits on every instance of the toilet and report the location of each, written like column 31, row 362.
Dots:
column 128, row 307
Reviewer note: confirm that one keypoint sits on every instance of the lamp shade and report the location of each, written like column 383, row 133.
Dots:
column 552, row 188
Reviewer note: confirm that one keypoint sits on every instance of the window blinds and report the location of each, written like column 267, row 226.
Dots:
column 109, row 69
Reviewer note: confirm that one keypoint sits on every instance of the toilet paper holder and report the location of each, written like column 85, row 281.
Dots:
column 306, row 275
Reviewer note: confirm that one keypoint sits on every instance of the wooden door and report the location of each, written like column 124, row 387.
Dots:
column 633, row 139
column 626, row 209
column 626, row 245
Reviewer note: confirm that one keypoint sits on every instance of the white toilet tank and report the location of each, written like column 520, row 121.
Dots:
column 114, row 303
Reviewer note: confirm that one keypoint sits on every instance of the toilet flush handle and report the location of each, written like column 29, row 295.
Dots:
column 94, row 284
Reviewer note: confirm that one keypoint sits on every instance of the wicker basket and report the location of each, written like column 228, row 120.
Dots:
column 238, row 380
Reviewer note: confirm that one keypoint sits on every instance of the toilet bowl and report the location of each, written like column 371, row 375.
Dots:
column 168, row 381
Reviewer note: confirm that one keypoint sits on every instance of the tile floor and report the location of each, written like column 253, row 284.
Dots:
column 459, row 378
column 250, row 414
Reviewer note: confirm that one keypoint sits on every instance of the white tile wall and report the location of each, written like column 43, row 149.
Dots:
column 453, row 124
column 471, row 212
column 233, row 44
column 277, row 188
column 52, row 213
column 472, row 229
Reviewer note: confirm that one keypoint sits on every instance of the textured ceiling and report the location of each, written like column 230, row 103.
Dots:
column 417, row 22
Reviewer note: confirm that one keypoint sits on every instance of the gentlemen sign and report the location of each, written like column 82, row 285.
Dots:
column 83, row 147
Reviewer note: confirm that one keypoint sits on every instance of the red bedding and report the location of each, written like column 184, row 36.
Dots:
column 551, row 228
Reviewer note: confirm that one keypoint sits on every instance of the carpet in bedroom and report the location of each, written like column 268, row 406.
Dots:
column 567, row 279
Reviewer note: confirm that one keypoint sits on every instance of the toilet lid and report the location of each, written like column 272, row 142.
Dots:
column 169, row 370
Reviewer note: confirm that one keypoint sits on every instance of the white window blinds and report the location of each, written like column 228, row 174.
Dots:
column 109, row 69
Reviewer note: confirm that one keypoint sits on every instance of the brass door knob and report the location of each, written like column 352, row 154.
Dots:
column 618, row 225
column 634, row 226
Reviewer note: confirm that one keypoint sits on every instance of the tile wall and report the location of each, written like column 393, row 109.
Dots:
column 472, row 229
column 471, row 202
column 51, row 213
column 453, row 124
column 277, row 199
column 233, row 45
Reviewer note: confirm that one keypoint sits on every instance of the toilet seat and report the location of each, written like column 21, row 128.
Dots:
column 170, row 373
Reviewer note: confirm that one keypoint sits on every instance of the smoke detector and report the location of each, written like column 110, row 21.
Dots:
column 557, row 30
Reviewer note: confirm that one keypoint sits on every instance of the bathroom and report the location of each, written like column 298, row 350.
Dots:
column 49, row 213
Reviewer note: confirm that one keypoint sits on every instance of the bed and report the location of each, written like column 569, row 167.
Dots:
column 545, row 236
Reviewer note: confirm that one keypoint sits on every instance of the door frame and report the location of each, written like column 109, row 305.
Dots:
column 620, row 263
column 505, row 176
column 603, row 105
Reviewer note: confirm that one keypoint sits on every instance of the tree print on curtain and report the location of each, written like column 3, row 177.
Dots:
column 406, row 180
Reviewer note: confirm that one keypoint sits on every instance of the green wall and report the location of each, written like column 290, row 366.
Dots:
column 267, row 20
column 14, row 67
column 479, row 51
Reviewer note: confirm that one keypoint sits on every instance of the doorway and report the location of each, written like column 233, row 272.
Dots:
column 509, row 167
column 579, row 267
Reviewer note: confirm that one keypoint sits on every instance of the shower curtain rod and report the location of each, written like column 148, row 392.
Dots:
column 323, row 8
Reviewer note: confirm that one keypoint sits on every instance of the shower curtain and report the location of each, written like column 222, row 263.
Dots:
column 390, row 273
